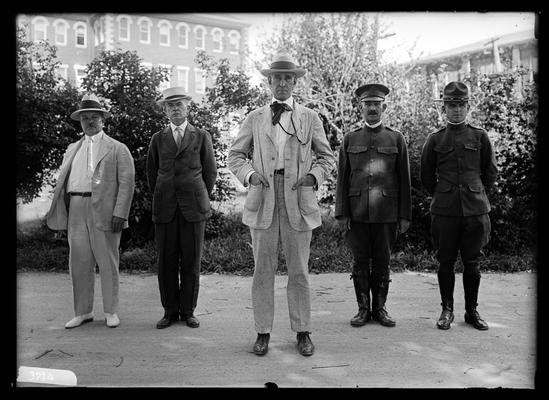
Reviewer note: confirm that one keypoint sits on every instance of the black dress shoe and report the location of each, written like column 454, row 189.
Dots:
column 304, row 344
column 191, row 321
column 445, row 319
column 165, row 321
column 472, row 317
column 261, row 345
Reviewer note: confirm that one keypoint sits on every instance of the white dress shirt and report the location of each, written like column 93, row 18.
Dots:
column 83, row 164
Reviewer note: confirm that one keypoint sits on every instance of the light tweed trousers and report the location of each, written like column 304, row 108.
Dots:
column 296, row 247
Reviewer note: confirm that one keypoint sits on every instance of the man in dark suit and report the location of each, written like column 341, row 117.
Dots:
column 181, row 173
column 457, row 165
column 373, row 202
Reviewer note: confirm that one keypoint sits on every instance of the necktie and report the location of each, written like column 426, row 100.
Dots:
column 278, row 109
column 178, row 135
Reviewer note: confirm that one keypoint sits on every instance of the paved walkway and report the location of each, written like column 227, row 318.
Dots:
column 414, row 354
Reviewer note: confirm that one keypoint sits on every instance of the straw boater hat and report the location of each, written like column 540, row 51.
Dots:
column 90, row 102
column 455, row 91
column 172, row 94
column 372, row 92
column 283, row 62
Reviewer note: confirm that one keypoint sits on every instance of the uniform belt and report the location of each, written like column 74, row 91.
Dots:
column 83, row 194
column 279, row 171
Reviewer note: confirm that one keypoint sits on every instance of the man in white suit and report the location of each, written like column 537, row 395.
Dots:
column 281, row 204
column 91, row 202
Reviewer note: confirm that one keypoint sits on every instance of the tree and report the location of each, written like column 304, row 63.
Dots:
column 43, row 126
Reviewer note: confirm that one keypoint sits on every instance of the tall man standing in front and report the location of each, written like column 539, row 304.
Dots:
column 281, row 204
column 373, row 202
column 457, row 165
column 92, row 202
column 181, row 173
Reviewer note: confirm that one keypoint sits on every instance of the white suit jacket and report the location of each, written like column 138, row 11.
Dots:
column 257, row 132
column 113, row 184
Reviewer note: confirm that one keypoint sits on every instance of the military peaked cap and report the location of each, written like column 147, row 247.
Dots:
column 372, row 91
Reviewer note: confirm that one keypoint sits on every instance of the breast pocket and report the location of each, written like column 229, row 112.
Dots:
column 357, row 156
column 388, row 155
column 444, row 153
column 472, row 154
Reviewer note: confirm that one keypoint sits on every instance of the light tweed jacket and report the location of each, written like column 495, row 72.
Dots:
column 113, row 184
column 258, row 133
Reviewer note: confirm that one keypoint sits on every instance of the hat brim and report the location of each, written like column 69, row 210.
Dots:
column 372, row 98
column 466, row 99
column 299, row 72
column 76, row 115
column 175, row 98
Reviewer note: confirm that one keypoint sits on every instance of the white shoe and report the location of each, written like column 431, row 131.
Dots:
column 112, row 320
column 79, row 320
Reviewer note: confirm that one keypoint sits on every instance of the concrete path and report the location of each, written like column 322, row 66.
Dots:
column 414, row 354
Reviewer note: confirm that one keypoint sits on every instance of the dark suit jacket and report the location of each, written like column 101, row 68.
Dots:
column 184, row 177
column 373, row 179
column 457, row 165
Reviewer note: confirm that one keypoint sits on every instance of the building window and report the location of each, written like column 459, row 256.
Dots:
column 200, row 37
column 199, row 81
column 182, row 77
column 165, row 84
column 217, row 39
column 60, row 28
column 61, row 71
column 165, row 29
column 79, row 75
column 183, row 35
column 40, row 28
column 234, row 42
column 124, row 23
column 81, row 34
column 144, row 30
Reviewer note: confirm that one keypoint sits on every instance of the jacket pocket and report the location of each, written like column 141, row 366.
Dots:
column 202, row 200
column 307, row 200
column 387, row 150
column 254, row 197
column 443, row 196
column 357, row 156
column 389, row 192
column 443, row 149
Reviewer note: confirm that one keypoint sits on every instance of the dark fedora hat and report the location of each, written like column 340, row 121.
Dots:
column 283, row 62
column 455, row 91
column 172, row 94
column 90, row 102
column 372, row 91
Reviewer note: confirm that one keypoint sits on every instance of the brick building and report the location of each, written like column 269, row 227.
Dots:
column 168, row 40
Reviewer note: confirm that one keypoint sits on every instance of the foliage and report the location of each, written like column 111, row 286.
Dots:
column 507, row 108
column 43, row 129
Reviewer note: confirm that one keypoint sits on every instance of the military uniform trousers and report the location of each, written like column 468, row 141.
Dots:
column 179, row 244
column 372, row 241
column 296, row 247
column 90, row 246
column 464, row 234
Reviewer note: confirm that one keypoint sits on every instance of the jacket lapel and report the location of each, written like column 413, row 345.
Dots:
column 267, row 125
column 105, row 146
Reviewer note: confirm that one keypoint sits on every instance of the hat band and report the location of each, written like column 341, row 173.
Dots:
column 282, row 65
column 448, row 98
column 90, row 104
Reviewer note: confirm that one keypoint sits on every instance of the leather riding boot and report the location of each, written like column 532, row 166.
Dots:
column 471, row 284
column 446, row 282
column 380, row 314
column 362, row 291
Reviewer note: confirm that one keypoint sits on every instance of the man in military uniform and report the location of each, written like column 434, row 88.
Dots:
column 457, row 165
column 373, row 202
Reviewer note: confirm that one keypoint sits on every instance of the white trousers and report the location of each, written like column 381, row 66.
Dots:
column 89, row 247
column 296, row 247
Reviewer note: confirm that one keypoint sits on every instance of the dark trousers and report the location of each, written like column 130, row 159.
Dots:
column 372, row 241
column 466, row 236
column 179, row 243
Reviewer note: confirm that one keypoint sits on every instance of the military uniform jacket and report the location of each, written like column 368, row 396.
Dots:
column 457, row 165
column 373, row 181
column 182, row 177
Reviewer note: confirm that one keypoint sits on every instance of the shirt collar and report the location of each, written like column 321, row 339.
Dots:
column 374, row 125
column 289, row 101
column 97, row 137
column 183, row 126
